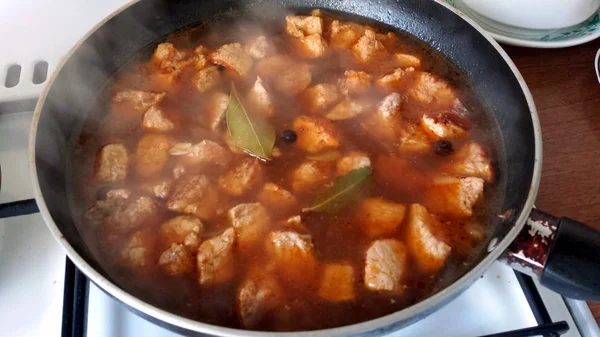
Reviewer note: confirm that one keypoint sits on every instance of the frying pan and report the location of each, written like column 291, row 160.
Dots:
column 561, row 252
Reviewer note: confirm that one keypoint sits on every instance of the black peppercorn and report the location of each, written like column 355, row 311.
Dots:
column 443, row 147
column 289, row 136
column 221, row 67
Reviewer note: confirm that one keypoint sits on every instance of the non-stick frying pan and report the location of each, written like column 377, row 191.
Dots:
column 562, row 252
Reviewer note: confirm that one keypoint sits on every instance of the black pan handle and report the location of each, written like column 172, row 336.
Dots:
column 563, row 253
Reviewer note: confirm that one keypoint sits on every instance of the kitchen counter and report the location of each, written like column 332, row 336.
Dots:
column 567, row 95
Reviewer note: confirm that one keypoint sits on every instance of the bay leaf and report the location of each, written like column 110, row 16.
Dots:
column 342, row 193
column 251, row 133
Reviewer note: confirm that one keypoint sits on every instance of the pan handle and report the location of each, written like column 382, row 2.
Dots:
column 563, row 253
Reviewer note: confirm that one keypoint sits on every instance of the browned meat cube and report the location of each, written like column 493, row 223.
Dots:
column 152, row 154
column 413, row 138
column 385, row 265
column 260, row 98
column 443, row 125
column 353, row 161
column 215, row 115
column 337, row 284
column 206, row 78
column 311, row 46
column 215, row 259
column 398, row 79
column 250, row 222
column 368, row 48
column 431, row 90
column 104, row 210
column 137, row 101
column 194, row 195
column 206, row 153
column 111, row 164
column 156, row 120
column 379, row 217
column 176, row 260
column 454, row 197
column 311, row 175
column 320, row 96
column 384, row 122
column 389, row 40
column 407, row 60
column 233, row 57
column 354, row 82
column 292, row 254
column 183, row 229
column 347, row 109
column 242, row 178
column 258, row 48
column 429, row 252
column 472, row 160
column 315, row 134
column 289, row 76
column 300, row 26
column 167, row 57
column 344, row 35
column 140, row 212
column 257, row 296
column 159, row 189
column 138, row 249
column 277, row 198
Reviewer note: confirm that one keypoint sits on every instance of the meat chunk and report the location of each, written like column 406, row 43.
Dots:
column 379, row 217
column 137, row 213
column 443, row 125
column 337, row 284
column 259, row 294
column 258, row 48
column 311, row 175
column 383, row 123
column 348, row 108
column 250, row 222
column 183, row 229
column 106, row 208
column 454, row 197
column 137, row 101
column 368, row 48
column 353, row 161
column 413, row 138
column 112, row 163
column 156, row 120
column 138, row 249
column 206, row 153
column 385, row 265
column 320, row 96
column 260, row 98
column 389, row 40
column 431, row 90
column 194, row 195
column 429, row 252
column 354, row 82
column 292, row 254
column 167, row 57
column 152, row 154
column 311, row 46
column 242, row 178
column 206, row 78
column 158, row 188
column 472, row 160
column 407, row 60
column 300, row 26
column 344, row 35
column 233, row 57
column 315, row 134
column 176, row 260
column 215, row 115
column 215, row 259
column 290, row 77
column 398, row 79
column 277, row 198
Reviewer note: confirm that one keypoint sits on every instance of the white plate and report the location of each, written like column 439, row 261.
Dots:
column 516, row 36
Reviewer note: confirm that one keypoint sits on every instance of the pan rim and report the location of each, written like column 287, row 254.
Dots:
column 410, row 314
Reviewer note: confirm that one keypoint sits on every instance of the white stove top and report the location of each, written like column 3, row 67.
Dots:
column 32, row 264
